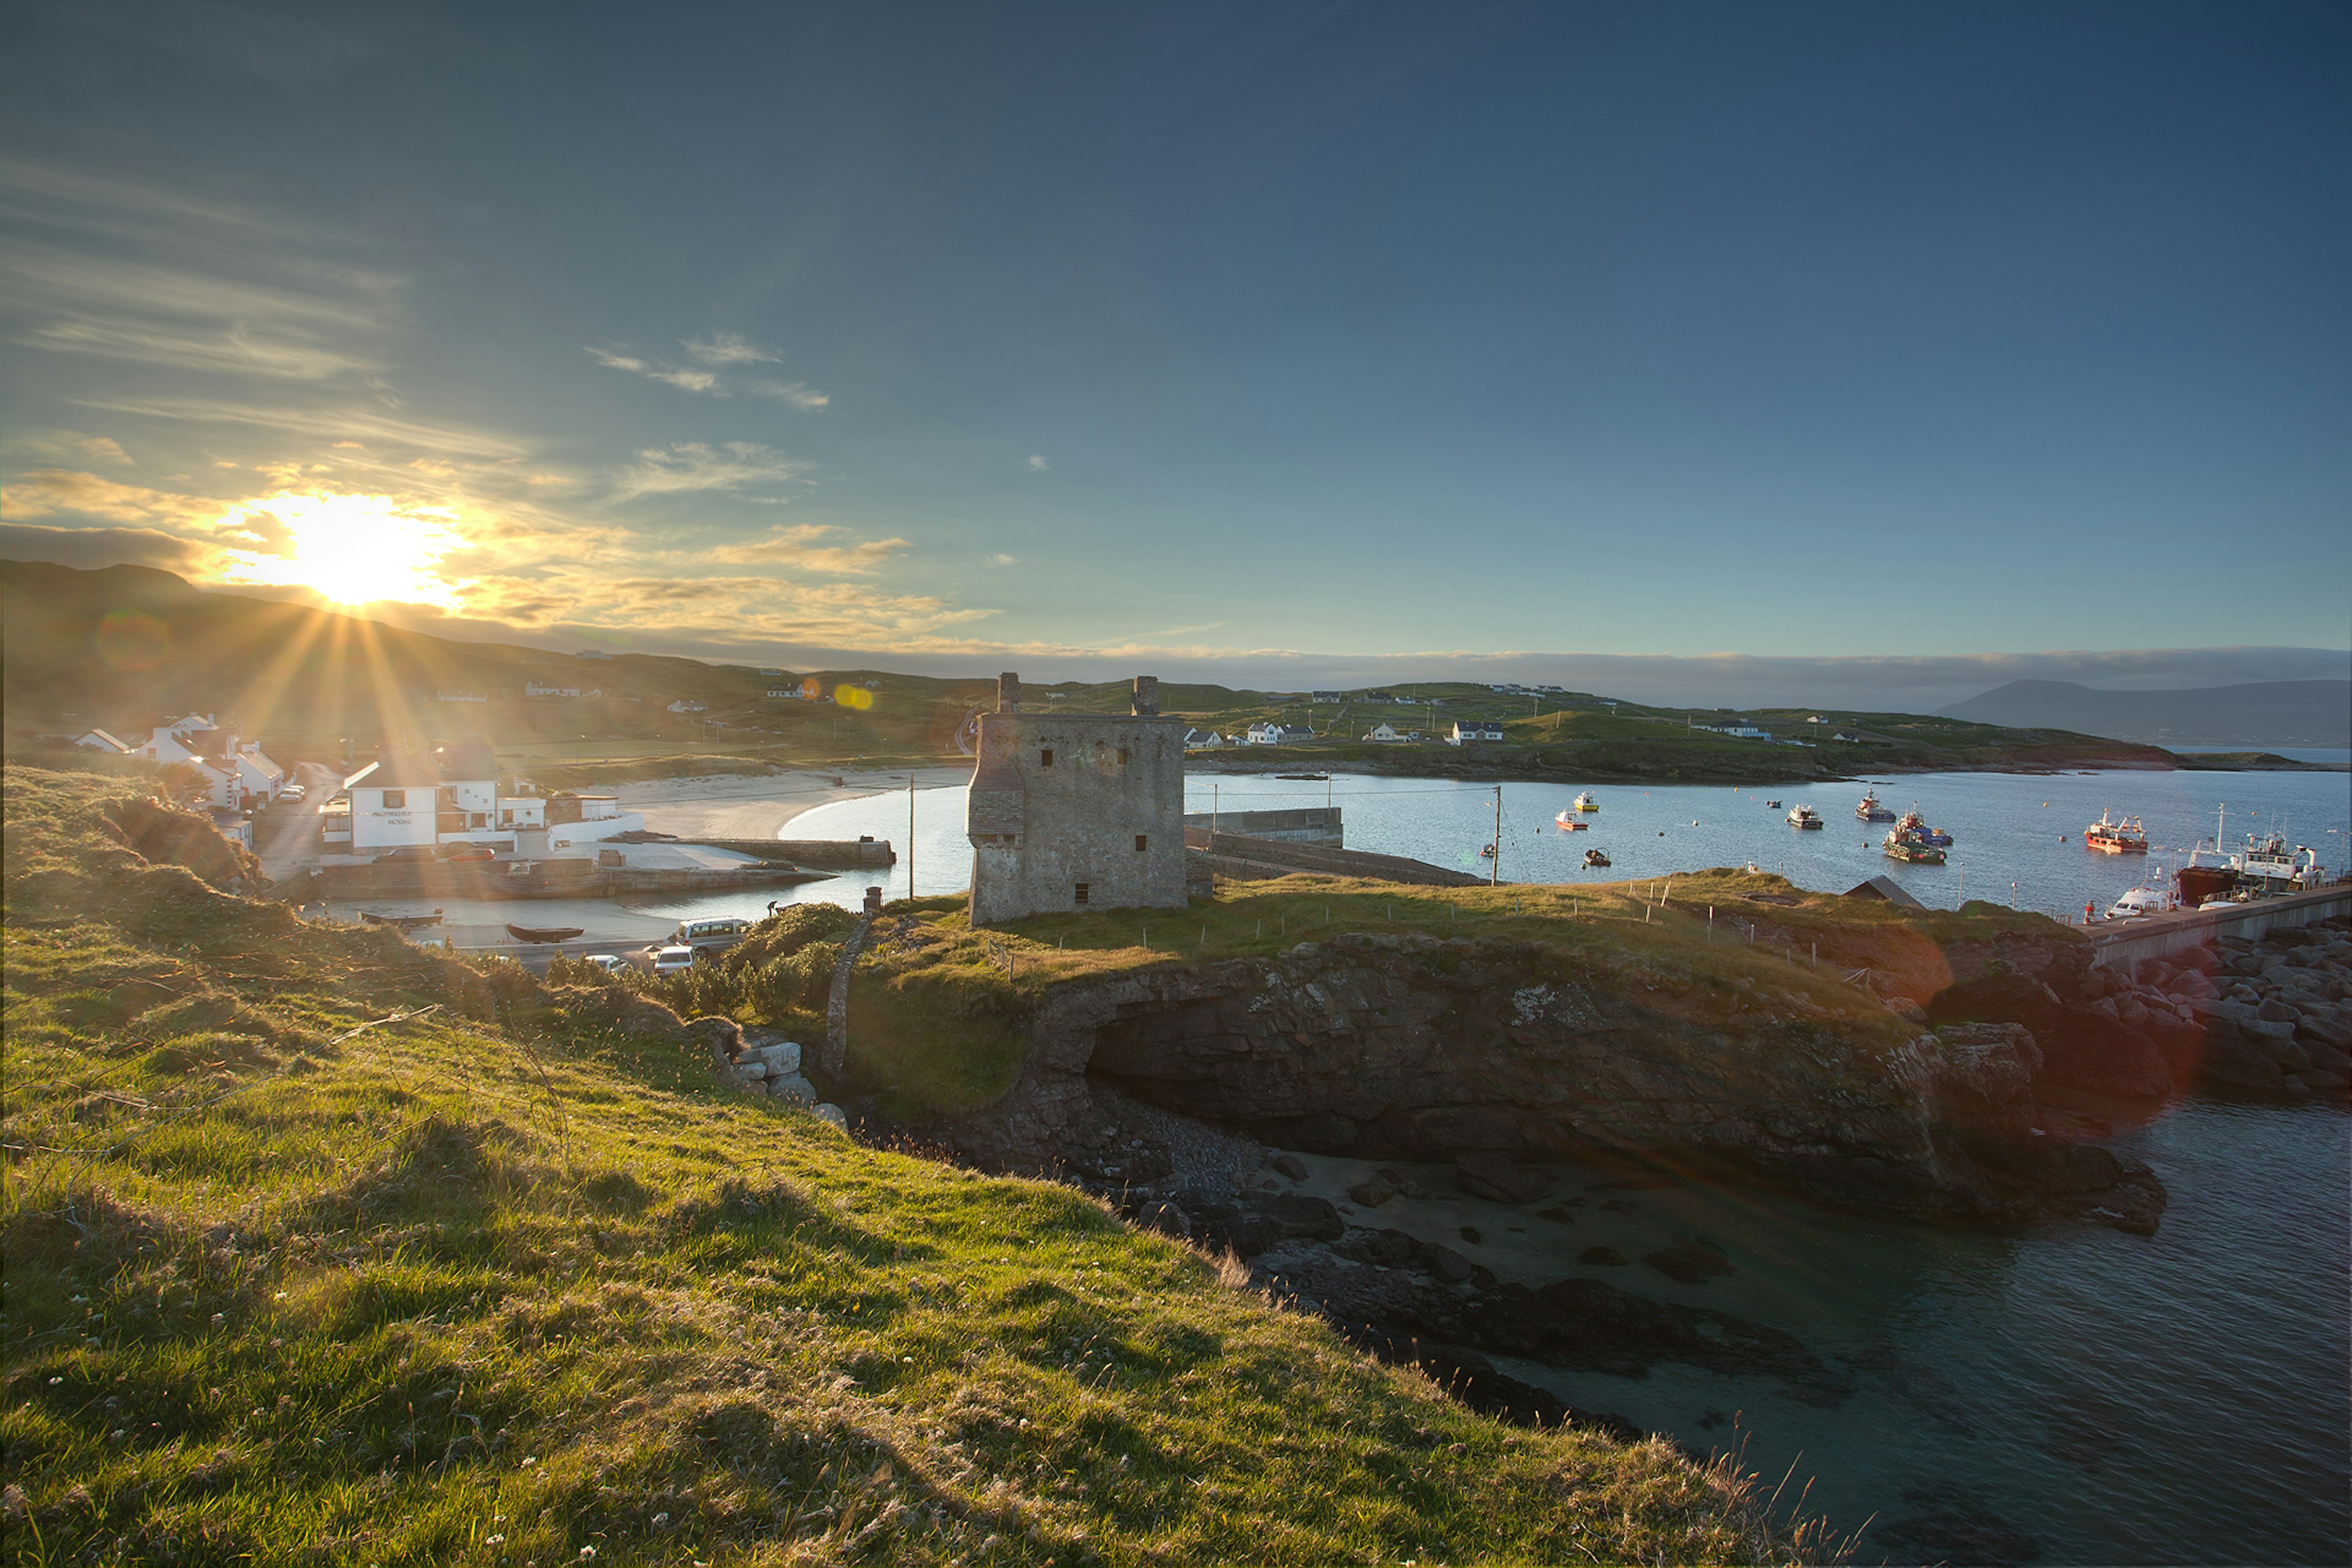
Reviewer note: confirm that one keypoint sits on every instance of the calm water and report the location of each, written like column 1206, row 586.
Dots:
column 2113, row 1398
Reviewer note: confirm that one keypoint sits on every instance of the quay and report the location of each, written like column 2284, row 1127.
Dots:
column 2120, row 945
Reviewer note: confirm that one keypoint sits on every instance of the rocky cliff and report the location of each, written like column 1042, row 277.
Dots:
column 1424, row 1047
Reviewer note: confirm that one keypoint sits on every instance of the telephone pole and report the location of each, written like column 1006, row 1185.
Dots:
column 1494, row 866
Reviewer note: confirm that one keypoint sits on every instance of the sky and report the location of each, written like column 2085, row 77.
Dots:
column 1299, row 338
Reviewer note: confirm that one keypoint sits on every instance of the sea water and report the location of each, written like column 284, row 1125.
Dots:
column 2073, row 1393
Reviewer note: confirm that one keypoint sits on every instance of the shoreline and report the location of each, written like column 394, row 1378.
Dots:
column 1426, row 764
column 761, row 805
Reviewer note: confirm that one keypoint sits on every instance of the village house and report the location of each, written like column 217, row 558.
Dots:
column 592, row 653
column 1468, row 732
column 461, row 697
column 1202, row 739
column 1268, row 733
column 237, row 775
column 688, row 705
column 542, row 688
column 100, row 741
column 1385, row 733
column 1330, row 697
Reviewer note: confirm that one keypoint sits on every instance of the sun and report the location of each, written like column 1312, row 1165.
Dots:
column 351, row 548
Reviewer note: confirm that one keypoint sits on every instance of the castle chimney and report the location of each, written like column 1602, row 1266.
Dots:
column 1146, row 700
column 1008, row 692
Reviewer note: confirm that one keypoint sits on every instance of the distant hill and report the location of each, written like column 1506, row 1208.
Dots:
column 2264, row 713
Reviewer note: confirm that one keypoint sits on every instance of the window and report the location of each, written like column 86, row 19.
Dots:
column 395, row 800
column 1142, row 843
column 1082, row 893
column 1046, row 758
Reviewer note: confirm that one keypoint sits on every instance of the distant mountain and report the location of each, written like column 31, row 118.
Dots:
column 2264, row 713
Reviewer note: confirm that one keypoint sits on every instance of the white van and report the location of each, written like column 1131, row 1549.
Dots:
column 718, row 933
column 673, row 959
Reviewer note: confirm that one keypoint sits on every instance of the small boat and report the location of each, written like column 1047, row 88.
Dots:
column 1585, row 803
column 543, row 933
column 1871, row 811
column 1911, row 849
column 1804, row 816
column 1306, row 778
column 1595, row 857
column 1568, row 823
column 1917, row 826
column 402, row 923
column 2109, row 836
column 1485, row 852
column 1772, row 806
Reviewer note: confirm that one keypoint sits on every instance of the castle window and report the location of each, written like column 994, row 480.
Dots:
column 1142, row 842
column 1082, row 893
column 1046, row 758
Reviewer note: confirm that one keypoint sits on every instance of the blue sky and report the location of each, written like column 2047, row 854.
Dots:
column 1210, row 334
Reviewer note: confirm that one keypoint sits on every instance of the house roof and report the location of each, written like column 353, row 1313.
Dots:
column 109, row 740
column 1885, row 887
column 408, row 771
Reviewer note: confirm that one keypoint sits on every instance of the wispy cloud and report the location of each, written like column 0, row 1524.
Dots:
column 1038, row 463
column 799, row 394
column 333, row 424
column 729, row 348
column 72, row 446
column 694, row 466
column 999, row 558
column 52, row 493
column 805, row 547
column 723, row 351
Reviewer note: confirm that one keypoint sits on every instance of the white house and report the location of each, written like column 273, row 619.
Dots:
column 1329, row 697
column 395, row 801
column 100, row 741
column 1469, row 730
column 592, row 653
column 1272, row 734
column 540, row 689
column 574, row 819
column 181, row 740
column 461, row 697
column 450, row 796
column 237, row 775
column 688, row 705
column 1202, row 739
column 1385, row 734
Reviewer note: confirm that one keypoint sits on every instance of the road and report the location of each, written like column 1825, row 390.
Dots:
column 286, row 837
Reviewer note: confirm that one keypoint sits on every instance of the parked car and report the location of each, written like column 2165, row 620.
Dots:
column 719, row 932
column 294, row 795
column 405, row 852
column 610, row 962
column 673, row 959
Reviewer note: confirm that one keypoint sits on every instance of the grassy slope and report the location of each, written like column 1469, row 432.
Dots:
column 300, row 1270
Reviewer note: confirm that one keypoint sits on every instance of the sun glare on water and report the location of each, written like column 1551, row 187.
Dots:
column 353, row 550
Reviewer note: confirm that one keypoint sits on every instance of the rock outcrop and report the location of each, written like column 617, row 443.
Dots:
column 1415, row 1048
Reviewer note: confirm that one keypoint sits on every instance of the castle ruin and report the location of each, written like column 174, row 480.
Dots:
column 1075, row 811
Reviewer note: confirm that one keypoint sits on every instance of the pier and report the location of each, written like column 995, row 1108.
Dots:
column 2119, row 944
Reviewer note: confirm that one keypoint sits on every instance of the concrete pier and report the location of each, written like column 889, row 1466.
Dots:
column 2119, row 944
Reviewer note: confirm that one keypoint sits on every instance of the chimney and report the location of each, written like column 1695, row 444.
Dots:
column 1008, row 692
column 1146, row 700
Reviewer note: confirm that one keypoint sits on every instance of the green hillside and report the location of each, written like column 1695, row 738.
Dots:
column 323, row 1247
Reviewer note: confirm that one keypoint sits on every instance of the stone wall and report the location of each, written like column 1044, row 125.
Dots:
column 1306, row 824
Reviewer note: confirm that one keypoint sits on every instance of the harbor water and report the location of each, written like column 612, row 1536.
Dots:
column 2073, row 1395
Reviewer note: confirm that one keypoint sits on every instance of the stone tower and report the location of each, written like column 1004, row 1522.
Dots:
column 1077, row 810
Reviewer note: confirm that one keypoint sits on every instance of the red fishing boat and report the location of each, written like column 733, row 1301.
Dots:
column 2110, row 836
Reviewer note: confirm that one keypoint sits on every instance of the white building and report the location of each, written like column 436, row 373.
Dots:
column 1469, row 730
column 100, row 741
column 461, row 697
column 450, row 796
column 1385, row 734
column 540, row 689
column 688, row 705
column 574, row 819
column 1202, row 739
column 238, row 775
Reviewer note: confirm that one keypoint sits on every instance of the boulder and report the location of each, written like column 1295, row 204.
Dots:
column 1312, row 1219
column 1500, row 1179
column 2278, row 1012
column 1372, row 1193
column 1166, row 1218
column 1448, row 1265
column 1290, row 1165
column 828, row 1111
column 782, row 1057
column 791, row 1085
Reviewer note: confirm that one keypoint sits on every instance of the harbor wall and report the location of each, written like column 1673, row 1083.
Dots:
column 833, row 854
column 2126, row 943
column 1246, row 859
column 1302, row 824
column 589, row 880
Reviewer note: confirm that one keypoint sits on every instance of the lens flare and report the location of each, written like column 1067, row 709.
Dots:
column 351, row 548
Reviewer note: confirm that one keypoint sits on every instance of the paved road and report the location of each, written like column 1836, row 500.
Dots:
column 286, row 837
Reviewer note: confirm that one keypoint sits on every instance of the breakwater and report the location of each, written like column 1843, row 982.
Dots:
column 1249, row 859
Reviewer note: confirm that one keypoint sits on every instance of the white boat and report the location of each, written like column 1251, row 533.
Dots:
column 1804, row 816
column 1570, row 824
column 1585, row 803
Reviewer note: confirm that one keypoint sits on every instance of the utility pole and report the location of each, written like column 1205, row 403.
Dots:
column 910, row 837
column 1495, row 866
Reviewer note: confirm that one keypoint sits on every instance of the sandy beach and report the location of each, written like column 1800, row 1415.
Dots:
column 737, row 806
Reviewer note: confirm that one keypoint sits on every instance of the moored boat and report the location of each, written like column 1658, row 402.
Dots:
column 1595, row 857
column 1772, row 806
column 543, row 933
column 1569, row 823
column 1911, row 849
column 1584, row 802
column 402, row 922
column 1870, row 810
column 2110, row 836
column 1912, row 823
column 1804, row 816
